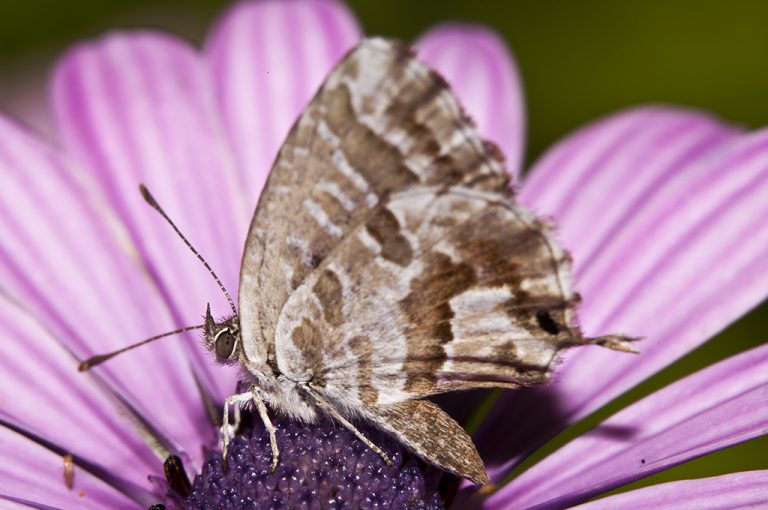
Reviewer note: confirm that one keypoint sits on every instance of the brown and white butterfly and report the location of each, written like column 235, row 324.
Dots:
column 388, row 261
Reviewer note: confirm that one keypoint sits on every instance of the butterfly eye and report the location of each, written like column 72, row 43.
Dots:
column 225, row 344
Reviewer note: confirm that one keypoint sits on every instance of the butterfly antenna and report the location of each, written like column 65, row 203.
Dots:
column 151, row 201
column 101, row 358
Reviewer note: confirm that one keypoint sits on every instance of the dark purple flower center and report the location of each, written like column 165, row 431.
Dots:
column 320, row 466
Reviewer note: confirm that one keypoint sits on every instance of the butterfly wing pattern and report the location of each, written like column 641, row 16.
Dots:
column 388, row 260
column 380, row 123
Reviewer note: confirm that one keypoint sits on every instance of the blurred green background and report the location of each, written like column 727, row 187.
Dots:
column 579, row 60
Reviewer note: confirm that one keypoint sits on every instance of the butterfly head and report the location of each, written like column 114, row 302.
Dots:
column 223, row 338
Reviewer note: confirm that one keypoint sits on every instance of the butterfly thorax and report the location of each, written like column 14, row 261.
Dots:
column 224, row 340
column 284, row 394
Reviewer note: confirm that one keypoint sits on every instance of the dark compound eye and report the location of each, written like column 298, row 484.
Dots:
column 225, row 344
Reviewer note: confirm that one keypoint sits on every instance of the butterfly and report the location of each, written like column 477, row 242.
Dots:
column 388, row 261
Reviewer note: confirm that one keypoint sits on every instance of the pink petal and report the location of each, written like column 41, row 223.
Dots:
column 65, row 258
column 482, row 72
column 39, row 375
column 714, row 408
column 267, row 60
column 138, row 107
column 596, row 178
column 32, row 473
column 736, row 490
column 681, row 256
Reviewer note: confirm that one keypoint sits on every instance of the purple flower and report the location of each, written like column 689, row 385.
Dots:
column 321, row 467
column 662, row 208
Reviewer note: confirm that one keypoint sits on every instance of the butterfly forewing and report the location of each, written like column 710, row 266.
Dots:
column 382, row 122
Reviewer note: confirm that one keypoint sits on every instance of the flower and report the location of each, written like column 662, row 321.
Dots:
column 662, row 208
column 319, row 465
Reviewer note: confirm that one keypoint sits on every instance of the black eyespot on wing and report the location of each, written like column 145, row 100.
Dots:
column 547, row 323
column 225, row 344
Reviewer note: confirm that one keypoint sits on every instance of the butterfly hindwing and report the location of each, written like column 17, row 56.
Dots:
column 433, row 435
column 438, row 289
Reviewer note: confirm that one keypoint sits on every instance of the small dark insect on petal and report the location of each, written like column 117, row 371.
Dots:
column 177, row 476
column 547, row 323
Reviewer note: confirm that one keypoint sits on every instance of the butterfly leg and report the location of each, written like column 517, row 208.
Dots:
column 228, row 430
column 328, row 408
column 262, row 408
